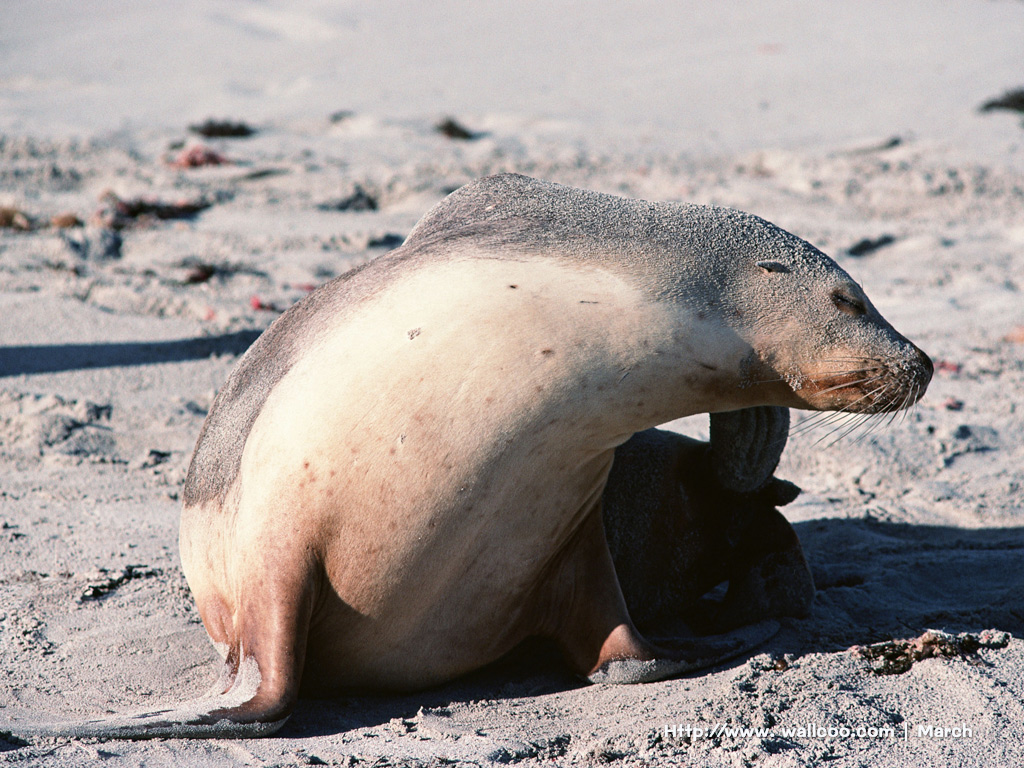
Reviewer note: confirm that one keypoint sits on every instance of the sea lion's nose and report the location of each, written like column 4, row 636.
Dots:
column 926, row 365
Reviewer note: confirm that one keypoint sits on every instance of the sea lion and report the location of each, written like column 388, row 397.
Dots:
column 682, row 516
column 402, row 478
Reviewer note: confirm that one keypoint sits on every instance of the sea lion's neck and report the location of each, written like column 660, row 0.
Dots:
column 557, row 340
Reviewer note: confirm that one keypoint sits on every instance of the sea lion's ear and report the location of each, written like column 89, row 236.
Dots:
column 746, row 446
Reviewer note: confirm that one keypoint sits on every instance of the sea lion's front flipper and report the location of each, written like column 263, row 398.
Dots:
column 257, row 690
column 679, row 656
column 583, row 610
column 768, row 574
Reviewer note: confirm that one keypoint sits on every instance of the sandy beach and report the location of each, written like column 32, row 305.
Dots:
column 139, row 259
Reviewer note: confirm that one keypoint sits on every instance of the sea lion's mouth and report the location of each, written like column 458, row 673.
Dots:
column 850, row 390
column 867, row 386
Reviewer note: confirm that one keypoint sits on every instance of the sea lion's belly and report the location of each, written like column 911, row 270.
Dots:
column 435, row 479
column 432, row 533
column 445, row 591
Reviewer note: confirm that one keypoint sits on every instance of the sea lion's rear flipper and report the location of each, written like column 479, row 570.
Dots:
column 215, row 716
column 769, row 576
column 746, row 445
column 255, row 695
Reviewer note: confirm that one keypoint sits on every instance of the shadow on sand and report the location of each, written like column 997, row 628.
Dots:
column 53, row 358
column 876, row 581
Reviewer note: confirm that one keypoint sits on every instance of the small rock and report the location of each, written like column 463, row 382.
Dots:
column 199, row 273
column 869, row 245
column 358, row 200
column 107, row 581
column 119, row 213
column 894, row 657
column 260, row 305
column 198, row 157
column 65, row 221
column 1016, row 336
column 964, row 439
column 153, row 458
column 1011, row 100
column 94, row 243
column 452, row 130
column 224, row 129
column 195, row 408
column 994, row 638
column 12, row 218
column 387, row 240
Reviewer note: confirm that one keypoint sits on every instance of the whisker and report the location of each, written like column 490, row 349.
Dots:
column 822, row 418
column 888, row 402
column 895, row 412
column 872, row 394
column 825, row 418
column 835, row 425
column 864, row 418
column 844, row 428
column 875, row 424
column 911, row 398
column 850, row 384
column 844, row 359
column 878, row 419
column 820, row 377
column 847, row 411
column 806, row 424
column 909, row 406
column 917, row 398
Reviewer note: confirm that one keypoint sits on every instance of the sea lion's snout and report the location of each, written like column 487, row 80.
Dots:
column 856, row 382
column 912, row 381
column 925, row 370
column 927, row 367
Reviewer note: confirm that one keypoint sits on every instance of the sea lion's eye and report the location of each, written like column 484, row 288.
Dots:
column 849, row 305
column 772, row 266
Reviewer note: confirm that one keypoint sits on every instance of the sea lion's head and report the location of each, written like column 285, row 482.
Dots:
column 855, row 361
column 815, row 339
column 771, row 313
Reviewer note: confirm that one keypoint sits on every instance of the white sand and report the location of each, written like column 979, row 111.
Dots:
column 108, row 364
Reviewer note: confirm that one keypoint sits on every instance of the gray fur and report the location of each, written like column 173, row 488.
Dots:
column 649, row 241
column 499, row 217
